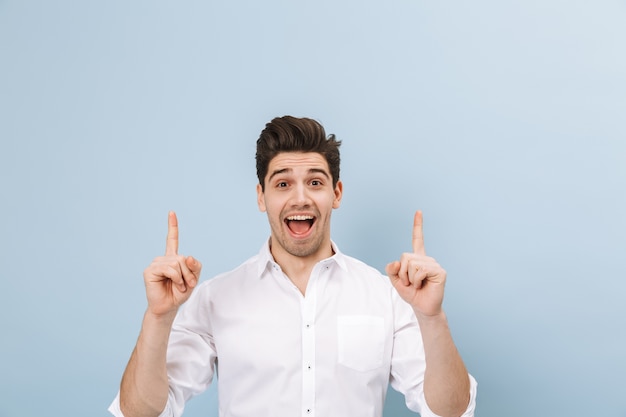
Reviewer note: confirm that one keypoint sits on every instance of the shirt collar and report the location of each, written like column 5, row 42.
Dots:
column 266, row 260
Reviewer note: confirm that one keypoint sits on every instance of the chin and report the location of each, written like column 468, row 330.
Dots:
column 302, row 249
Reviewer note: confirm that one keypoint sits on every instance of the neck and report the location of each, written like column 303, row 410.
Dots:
column 298, row 268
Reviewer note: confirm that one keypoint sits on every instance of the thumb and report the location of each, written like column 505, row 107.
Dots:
column 392, row 269
column 194, row 266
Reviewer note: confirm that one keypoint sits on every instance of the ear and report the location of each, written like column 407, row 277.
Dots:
column 260, row 197
column 338, row 194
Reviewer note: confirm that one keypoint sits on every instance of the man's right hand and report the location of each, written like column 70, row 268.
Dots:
column 170, row 279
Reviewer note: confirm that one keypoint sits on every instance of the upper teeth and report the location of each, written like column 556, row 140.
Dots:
column 300, row 218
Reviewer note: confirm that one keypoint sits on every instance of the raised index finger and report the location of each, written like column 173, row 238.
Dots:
column 418, row 234
column 171, row 243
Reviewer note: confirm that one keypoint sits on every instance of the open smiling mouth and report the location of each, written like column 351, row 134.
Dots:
column 300, row 225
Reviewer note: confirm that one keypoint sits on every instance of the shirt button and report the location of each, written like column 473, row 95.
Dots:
column 308, row 367
column 308, row 410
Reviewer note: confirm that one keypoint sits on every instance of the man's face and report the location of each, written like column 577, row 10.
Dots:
column 299, row 198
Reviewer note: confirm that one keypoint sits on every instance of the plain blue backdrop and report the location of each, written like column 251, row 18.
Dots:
column 505, row 122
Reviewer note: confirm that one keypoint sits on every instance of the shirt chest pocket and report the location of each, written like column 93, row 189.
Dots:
column 360, row 342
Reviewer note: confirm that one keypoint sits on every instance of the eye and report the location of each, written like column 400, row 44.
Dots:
column 281, row 184
column 316, row 183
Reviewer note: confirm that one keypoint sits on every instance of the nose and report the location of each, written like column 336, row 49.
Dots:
column 300, row 196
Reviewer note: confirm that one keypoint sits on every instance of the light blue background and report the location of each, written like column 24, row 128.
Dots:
column 503, row 121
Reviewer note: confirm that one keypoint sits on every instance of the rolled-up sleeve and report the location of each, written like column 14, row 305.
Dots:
column 469, row 412
column 114, row 408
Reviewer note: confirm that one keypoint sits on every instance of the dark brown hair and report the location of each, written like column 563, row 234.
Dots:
column 293, row 134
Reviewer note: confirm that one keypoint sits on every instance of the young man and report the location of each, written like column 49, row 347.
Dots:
column 300, row 328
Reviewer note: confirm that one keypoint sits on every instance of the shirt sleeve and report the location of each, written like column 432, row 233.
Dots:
column 469, row 412
column 191, row 355
column 114, row 408
column 408, row 363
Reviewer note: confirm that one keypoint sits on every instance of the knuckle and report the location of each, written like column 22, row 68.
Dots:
column 405, row 257
column 173, row 263
column 152, row 269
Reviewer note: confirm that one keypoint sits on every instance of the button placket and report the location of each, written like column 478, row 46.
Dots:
column 308, row 306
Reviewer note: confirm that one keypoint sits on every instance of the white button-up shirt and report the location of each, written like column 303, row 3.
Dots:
column 277, row 353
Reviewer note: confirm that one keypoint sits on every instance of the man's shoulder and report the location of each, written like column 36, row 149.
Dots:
column 353, row 263
column 358, row 268
column 245, row 270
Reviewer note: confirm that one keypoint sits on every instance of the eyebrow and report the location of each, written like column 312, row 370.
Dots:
column 289, row 170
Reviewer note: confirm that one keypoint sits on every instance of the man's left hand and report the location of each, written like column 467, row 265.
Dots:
column 418, row 278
